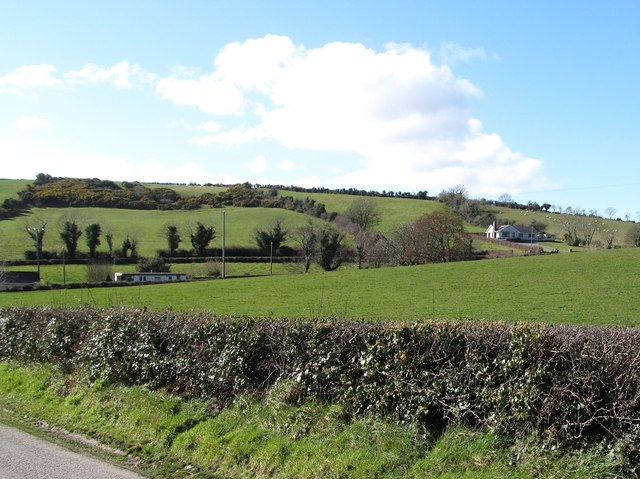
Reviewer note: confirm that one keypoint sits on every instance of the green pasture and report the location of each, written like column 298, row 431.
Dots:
column 595, row 287
column 147, row 227
column 10, row 188
column 395, row 211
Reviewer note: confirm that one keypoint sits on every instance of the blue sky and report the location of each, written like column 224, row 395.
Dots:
column 538, row 100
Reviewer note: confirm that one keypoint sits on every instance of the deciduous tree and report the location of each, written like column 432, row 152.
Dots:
column 610, row 235
column 633, row 235
column 307, row 239
column 364, row 212
column 405, row 247
column 108, row 237
column 436, row 237
column 156, row 265
column 368, row 247
column 129, row 245
column 443, row 238
column 99, row 270
column 588, row 226
column 36, row 232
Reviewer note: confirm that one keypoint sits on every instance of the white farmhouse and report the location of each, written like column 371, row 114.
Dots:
column 512, row 233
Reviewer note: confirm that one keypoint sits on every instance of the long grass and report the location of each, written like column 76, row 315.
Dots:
column 596, row 288
column 147, row 227
column 266, row 437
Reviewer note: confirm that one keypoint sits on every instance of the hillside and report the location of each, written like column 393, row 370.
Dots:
column 184, row 205
column 146, row 226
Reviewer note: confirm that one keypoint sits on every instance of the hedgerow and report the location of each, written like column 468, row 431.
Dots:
column 570, row 387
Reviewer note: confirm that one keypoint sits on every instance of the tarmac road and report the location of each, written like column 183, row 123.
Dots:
column 23, row 456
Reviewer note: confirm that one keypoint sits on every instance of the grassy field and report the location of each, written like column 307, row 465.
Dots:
column 395, row 211
column 146, row 226
column 593, row 287
column 167, row 436
column 10, row 188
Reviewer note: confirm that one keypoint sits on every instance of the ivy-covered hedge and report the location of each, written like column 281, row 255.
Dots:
column 569, row 386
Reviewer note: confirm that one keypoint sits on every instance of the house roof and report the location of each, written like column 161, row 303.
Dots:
column 21, row 277
column 520, row 228
column 149, row 273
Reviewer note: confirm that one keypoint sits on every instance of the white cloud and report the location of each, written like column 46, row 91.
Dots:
column 211, row 126
column 121, row 74
column 208, row 93
column 453, row 53
column 28, row 76
column 308, row 182
column 239, row 137
column 27, row 160
column 205, row 140
column 258, row 165
column 256, row 63
column 407, row 120
column 31, row 122
column 157, row 171
column 287, row 165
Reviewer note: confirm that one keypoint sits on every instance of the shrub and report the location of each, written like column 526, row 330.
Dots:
column 571, row 387
column 156, row 265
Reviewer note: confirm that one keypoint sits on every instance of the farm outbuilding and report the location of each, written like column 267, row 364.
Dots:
column 149, row 277
column 10, row 280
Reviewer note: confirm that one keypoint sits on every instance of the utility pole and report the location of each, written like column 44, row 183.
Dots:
column 223, row 245
column 64, row 269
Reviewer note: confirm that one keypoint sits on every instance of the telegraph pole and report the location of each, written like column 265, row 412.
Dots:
column 223, row 245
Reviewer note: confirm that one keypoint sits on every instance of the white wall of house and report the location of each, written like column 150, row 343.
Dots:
column 510, row 232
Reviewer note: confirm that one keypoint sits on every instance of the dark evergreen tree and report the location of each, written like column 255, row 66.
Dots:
column 273, row 237
column 330, row 248
column 70, row 235
column 201, row 237
column 173, row 238
column 92, row 236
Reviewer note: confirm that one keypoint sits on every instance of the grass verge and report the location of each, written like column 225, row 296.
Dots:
column 167, row 436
